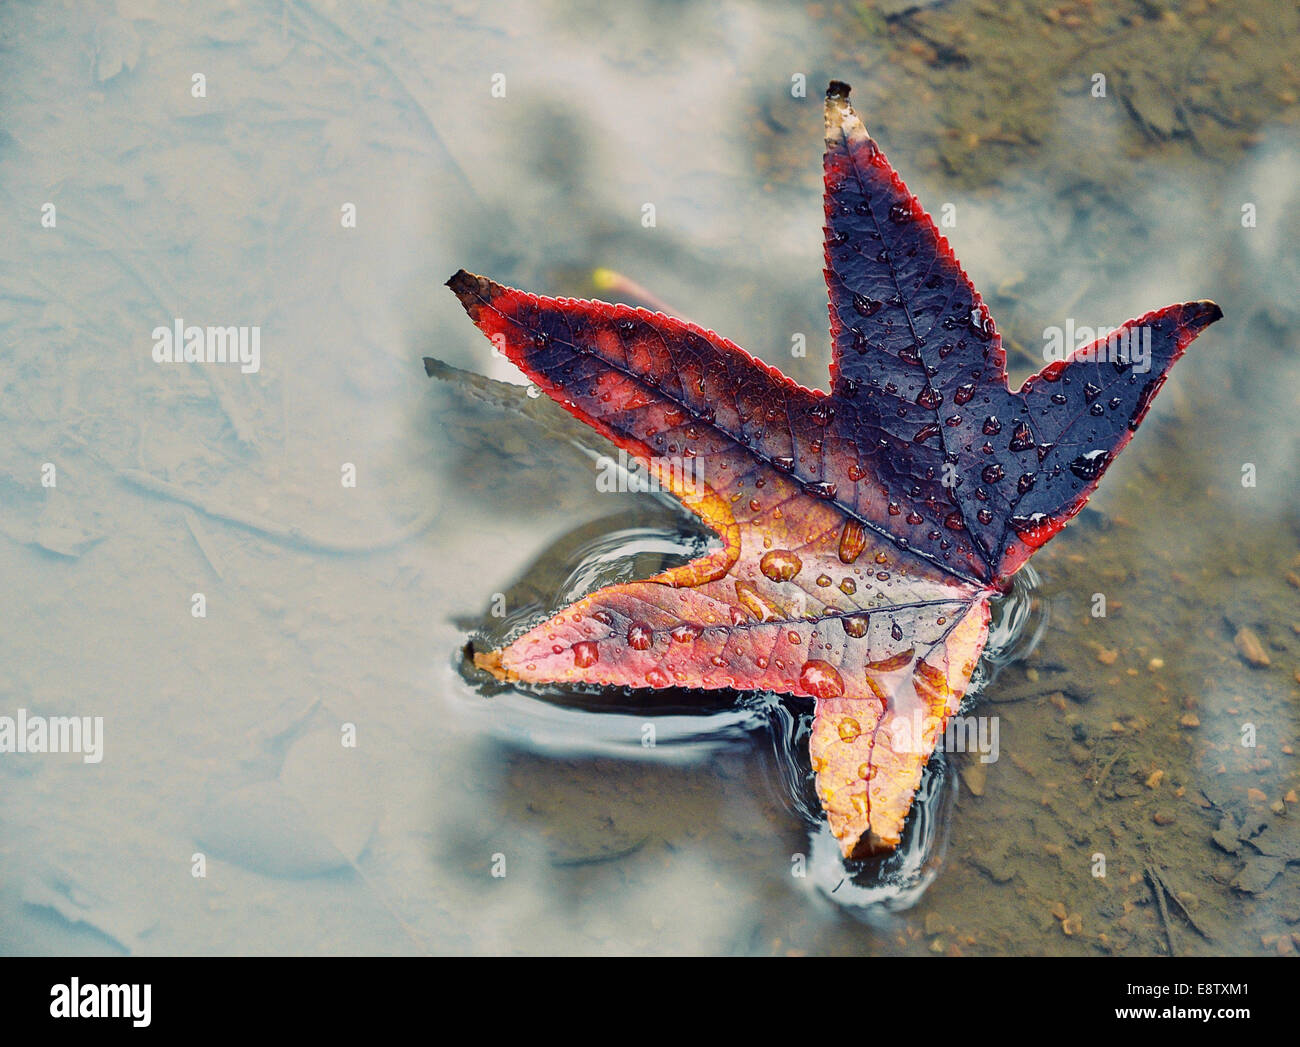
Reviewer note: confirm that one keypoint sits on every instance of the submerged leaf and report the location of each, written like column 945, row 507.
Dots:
column 863, row 531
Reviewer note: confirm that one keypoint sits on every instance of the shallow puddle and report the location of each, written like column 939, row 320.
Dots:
column 1144, row 795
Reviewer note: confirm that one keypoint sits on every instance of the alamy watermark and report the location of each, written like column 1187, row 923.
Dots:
column 53, row 734
column 208, row 345
column 72, row 999
column 1130, row 346
column 963, row 734
column 625, row 473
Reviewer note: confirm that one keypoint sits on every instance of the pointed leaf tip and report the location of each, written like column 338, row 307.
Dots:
column 1201, row 314
column 841, row 121
column 473, row 291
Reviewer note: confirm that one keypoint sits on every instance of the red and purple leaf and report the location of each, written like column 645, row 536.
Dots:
column 917, row 354
column 863, row 530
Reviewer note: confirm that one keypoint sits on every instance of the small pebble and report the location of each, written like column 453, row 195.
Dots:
column 1251, row 649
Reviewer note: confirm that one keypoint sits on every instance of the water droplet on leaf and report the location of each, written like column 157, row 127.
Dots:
column 853, row 538
column 639, row 636
column 780, row 565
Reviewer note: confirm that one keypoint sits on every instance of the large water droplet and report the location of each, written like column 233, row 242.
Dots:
column 982, row 324
column 929, row 398
column 1089, row 466
column 1030, row 526
column 855, row 625
column 639, row 636
column 866, row 306
column 585, row 654
column 1022, row 439
column 780, row 565
column 853, row 538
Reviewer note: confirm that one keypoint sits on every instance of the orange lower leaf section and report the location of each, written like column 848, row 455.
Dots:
column 869, row 755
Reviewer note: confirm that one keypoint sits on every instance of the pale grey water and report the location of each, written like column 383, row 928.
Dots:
column 222, row 734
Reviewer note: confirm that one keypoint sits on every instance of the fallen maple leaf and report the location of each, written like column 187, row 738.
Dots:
column 863, row 531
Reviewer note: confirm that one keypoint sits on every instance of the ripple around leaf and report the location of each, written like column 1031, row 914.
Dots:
column 1019, row 621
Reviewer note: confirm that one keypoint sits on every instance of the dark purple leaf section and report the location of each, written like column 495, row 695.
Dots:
column 920, row 375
